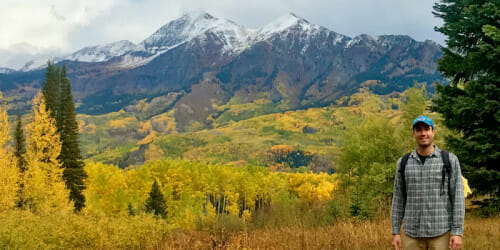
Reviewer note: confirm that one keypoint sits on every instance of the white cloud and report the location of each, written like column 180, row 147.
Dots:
column 46, row 24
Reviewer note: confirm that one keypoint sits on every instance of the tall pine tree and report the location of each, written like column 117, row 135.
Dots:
column 70, row 156
column 57, row 90
column 156, row 202
column 471, row 103
column 50, row 88
column 19, row 153
column 20, row 145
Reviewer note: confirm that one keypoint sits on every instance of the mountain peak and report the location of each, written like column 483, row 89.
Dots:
column 286, row 23
column 195, row 24
column 197, row 15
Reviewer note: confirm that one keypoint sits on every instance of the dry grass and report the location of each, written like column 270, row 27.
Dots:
column 481, row 233
column 23, row 230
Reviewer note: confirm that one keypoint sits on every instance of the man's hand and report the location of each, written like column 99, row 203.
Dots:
column 396, row 241
column 455, row 242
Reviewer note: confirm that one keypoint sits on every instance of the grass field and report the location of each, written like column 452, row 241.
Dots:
column 24, row 230
column 480, row 233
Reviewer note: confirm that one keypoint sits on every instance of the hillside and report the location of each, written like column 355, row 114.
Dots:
column 242, row 134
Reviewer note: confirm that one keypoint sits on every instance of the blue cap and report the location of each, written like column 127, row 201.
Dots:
column 423, row 119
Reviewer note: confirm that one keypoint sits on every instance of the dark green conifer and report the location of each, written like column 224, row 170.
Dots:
column 19, row 151
column 50, row 88
column 57, row 92
column 471, row 103
column 131, row 211
column 156, row 202
column 70, row 156
column 20, row 145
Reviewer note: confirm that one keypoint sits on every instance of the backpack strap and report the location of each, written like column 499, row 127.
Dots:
column 445, row 155
column 402, row 168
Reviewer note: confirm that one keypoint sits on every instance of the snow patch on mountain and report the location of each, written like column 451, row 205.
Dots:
column 102, row 53
column 6, row 70
column 39, row 63
column 287, row 23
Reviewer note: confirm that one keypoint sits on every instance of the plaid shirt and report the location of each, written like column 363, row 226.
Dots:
column 426, row 211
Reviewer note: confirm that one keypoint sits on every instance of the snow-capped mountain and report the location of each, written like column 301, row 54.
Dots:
column 291, row 23
column 201, row 26
column 102, row 53
column 290, row 59
column 6, row 70
column 196, row 24
column 39, row 62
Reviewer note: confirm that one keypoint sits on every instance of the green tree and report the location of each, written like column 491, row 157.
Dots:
column 156, row 202
column 19, row 153
column 20, row 145
column 57, row 92
column 70, row 156
column 470, row 105
column 414, row 104
column 50, row 88
column 369, row 152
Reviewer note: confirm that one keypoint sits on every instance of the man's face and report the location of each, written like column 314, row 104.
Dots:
column 423, row 134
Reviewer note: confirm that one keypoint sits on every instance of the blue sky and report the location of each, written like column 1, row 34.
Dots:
column 56, row 27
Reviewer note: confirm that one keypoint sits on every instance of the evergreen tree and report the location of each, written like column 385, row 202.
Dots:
column 9, row 175
column 50, row 88
column 70, row 156
column 57, row 91
column 19, row 145
column 156, row 202
column 19, row 153
column 131, row 211
column 471, row 103
column 43, row 186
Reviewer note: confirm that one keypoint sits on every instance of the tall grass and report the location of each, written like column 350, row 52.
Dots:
column 24, row 230
column 480, row 233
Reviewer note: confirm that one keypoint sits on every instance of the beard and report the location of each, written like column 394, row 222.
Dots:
column 424, row 144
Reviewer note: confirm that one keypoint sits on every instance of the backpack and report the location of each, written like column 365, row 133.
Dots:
column 446, row 170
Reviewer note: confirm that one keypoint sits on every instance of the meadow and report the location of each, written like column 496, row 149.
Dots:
column 23, row 230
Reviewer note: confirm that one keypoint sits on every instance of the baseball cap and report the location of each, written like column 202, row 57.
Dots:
column 423, row 119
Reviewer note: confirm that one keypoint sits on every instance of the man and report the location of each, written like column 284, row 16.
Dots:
column 430, row 201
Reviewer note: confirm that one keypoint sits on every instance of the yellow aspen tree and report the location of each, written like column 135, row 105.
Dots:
column 9, row 174
column 44, row 188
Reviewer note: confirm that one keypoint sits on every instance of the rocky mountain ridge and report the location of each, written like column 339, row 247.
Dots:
column 198, row 62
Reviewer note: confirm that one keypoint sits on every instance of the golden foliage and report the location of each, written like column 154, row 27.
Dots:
column 312, row 187
column 281, row 149
column 190, row 189
column 9, row 173
column 148, row 139
column 44, row 188
column 153, row 153
column 122, row 123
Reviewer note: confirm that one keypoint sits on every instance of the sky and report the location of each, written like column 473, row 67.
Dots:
column 34, row 28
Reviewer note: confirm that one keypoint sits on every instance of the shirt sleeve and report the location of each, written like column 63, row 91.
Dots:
column 457, row 197
column 398, row 202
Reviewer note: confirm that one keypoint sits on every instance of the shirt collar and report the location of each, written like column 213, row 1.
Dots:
column 436, row 153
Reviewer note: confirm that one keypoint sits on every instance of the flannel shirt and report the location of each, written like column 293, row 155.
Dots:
column 426, row 211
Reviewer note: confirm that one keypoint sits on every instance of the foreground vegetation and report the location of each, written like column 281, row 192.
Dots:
column 55, row 231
